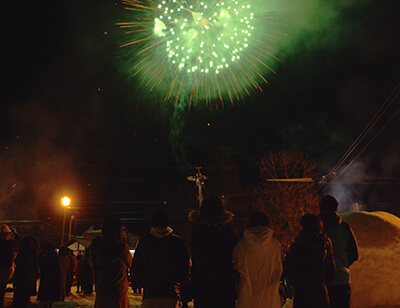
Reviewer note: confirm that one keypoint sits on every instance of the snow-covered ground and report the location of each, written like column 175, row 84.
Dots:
column 375, row 276
column 78, row 300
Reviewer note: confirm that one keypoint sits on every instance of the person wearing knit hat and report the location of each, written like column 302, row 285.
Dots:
column 5, row 231
column 345, row 251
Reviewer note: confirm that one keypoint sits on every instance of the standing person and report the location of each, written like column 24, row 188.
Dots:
column 71, row 271
column 7, row 247
column 49, row 266
column 213, row 237
column 26, row 272
column 345, row 251
column 309, row 265
column 65, row 263
column 257, row 257
column 87, row 276
column 111, row 260
column 160, row 264
column 78, row 273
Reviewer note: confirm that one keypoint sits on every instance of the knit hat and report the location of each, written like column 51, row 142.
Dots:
column 5, row 229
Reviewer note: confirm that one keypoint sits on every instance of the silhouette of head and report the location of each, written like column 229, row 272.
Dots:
column 328, row 204
column 161, row 218
column 211, row 208
column 28, row 244
column 257, row 219
column 311, row 223
column 112, row 229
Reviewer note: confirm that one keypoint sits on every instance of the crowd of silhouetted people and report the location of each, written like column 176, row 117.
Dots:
column 22, row 264
column 218, row 269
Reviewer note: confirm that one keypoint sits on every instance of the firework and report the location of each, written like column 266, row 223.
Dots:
column 199, row 50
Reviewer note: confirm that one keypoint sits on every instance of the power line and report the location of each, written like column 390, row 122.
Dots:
column 374, row 137
column 369, row 126
column 388, row 102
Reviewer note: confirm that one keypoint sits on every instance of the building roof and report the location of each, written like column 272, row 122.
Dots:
column 80, row 240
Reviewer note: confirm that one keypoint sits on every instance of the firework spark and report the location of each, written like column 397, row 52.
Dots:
column 200, row 50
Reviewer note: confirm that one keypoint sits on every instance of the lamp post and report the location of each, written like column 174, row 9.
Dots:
column 70, row 226
column 65, row 201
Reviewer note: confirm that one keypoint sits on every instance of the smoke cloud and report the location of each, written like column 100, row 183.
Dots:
column 347, row 188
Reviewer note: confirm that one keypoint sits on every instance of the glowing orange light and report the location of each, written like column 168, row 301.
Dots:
column 65, row 201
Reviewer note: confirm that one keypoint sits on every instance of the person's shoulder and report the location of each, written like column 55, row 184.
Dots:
column 275, row 243
column 4, row 243
column 345, row 226
column 145, row 239
column 177, row 239
column 96, row 241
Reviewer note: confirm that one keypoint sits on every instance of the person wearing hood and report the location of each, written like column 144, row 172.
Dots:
column 161, row 264
column 309, row 265
column 111, row 260
column 257, row 257
column 213, row 238
column 345, row 251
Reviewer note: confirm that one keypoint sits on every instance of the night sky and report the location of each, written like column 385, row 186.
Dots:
column 72, row 122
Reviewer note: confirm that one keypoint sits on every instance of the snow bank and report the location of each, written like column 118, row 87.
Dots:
column 375, row 276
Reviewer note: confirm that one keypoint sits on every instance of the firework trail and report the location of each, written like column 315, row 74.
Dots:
column 178, row 120
column 200, row 50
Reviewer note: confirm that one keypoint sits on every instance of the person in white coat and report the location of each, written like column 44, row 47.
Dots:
column 257, row 257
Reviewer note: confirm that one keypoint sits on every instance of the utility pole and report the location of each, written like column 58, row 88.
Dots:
column 199, row 181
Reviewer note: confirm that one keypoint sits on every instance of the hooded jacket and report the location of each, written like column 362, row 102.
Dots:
column 345, row 248
column 161, row 264
column 257, row 257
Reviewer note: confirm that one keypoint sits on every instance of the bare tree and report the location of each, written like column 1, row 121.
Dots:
column 286, row 191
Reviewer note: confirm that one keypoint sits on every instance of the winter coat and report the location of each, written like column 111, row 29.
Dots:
column 49, row 287
column 309, row 265
column 212, row 243
column 65, row 262
column 111, row 261
column 257, row 257
column 7, row 248
column 160, row 264
column 345, row 248
column 87, row 276
column 26, row 272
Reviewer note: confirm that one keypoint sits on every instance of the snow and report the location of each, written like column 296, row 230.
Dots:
column 375, row 275
column 78, row 300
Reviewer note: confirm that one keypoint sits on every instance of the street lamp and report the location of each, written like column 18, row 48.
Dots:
column 65, row 202
column 70, row 226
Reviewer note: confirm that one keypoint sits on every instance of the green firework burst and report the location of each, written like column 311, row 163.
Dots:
column 200, row 50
